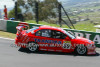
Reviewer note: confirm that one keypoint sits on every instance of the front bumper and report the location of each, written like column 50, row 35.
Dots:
column 91, row 51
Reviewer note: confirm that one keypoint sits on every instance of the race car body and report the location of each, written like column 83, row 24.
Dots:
column 48, row 38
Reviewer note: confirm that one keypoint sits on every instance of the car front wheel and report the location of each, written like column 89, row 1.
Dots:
column 81, row 50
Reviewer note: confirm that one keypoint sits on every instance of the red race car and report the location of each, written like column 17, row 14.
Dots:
column 48, row 38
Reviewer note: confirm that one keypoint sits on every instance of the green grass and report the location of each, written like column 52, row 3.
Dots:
column 45, row 23
column 84, row 25
column 7, row 35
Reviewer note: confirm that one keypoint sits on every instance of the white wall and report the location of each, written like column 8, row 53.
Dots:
column 3, row 25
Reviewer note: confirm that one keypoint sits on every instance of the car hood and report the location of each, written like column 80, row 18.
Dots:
column 81, row 40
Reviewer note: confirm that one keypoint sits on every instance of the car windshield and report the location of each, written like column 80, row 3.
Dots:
column 69, row 34
column 29, row 30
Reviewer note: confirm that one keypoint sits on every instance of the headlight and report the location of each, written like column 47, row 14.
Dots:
column 91, row 45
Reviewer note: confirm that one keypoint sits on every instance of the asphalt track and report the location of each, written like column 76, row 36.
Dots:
column 12, row 56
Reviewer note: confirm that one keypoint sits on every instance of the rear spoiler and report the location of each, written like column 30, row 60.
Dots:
column 26, row 25
column 20, row 28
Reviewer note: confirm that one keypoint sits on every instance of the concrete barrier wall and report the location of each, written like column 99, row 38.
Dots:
column 3, row 25
column 11, row 27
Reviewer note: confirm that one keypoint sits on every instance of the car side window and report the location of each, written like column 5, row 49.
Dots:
column 58, row 34
column 38, row 33
column 44, row 33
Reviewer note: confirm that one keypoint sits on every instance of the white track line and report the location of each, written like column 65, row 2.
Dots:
column 6, row 38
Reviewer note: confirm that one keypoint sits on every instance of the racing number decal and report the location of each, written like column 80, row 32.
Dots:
column 66, row 44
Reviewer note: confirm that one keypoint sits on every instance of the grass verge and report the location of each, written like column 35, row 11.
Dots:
column 83, row 25
column 7, row 35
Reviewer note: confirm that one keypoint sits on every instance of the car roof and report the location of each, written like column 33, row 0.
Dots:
column 51, row 28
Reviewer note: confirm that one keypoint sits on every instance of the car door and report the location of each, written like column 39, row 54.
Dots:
column 43, row 39
column 63, row 44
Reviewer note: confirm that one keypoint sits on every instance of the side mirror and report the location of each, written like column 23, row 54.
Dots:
column 32, row 32
column 67, row 38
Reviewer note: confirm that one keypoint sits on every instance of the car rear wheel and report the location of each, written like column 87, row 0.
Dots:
column 81, row 50
column 33, row 47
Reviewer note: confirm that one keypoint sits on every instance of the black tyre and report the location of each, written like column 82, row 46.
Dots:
column 33, row 47
column 81, row 50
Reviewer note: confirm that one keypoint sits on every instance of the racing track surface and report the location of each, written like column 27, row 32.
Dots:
column 11, row 56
